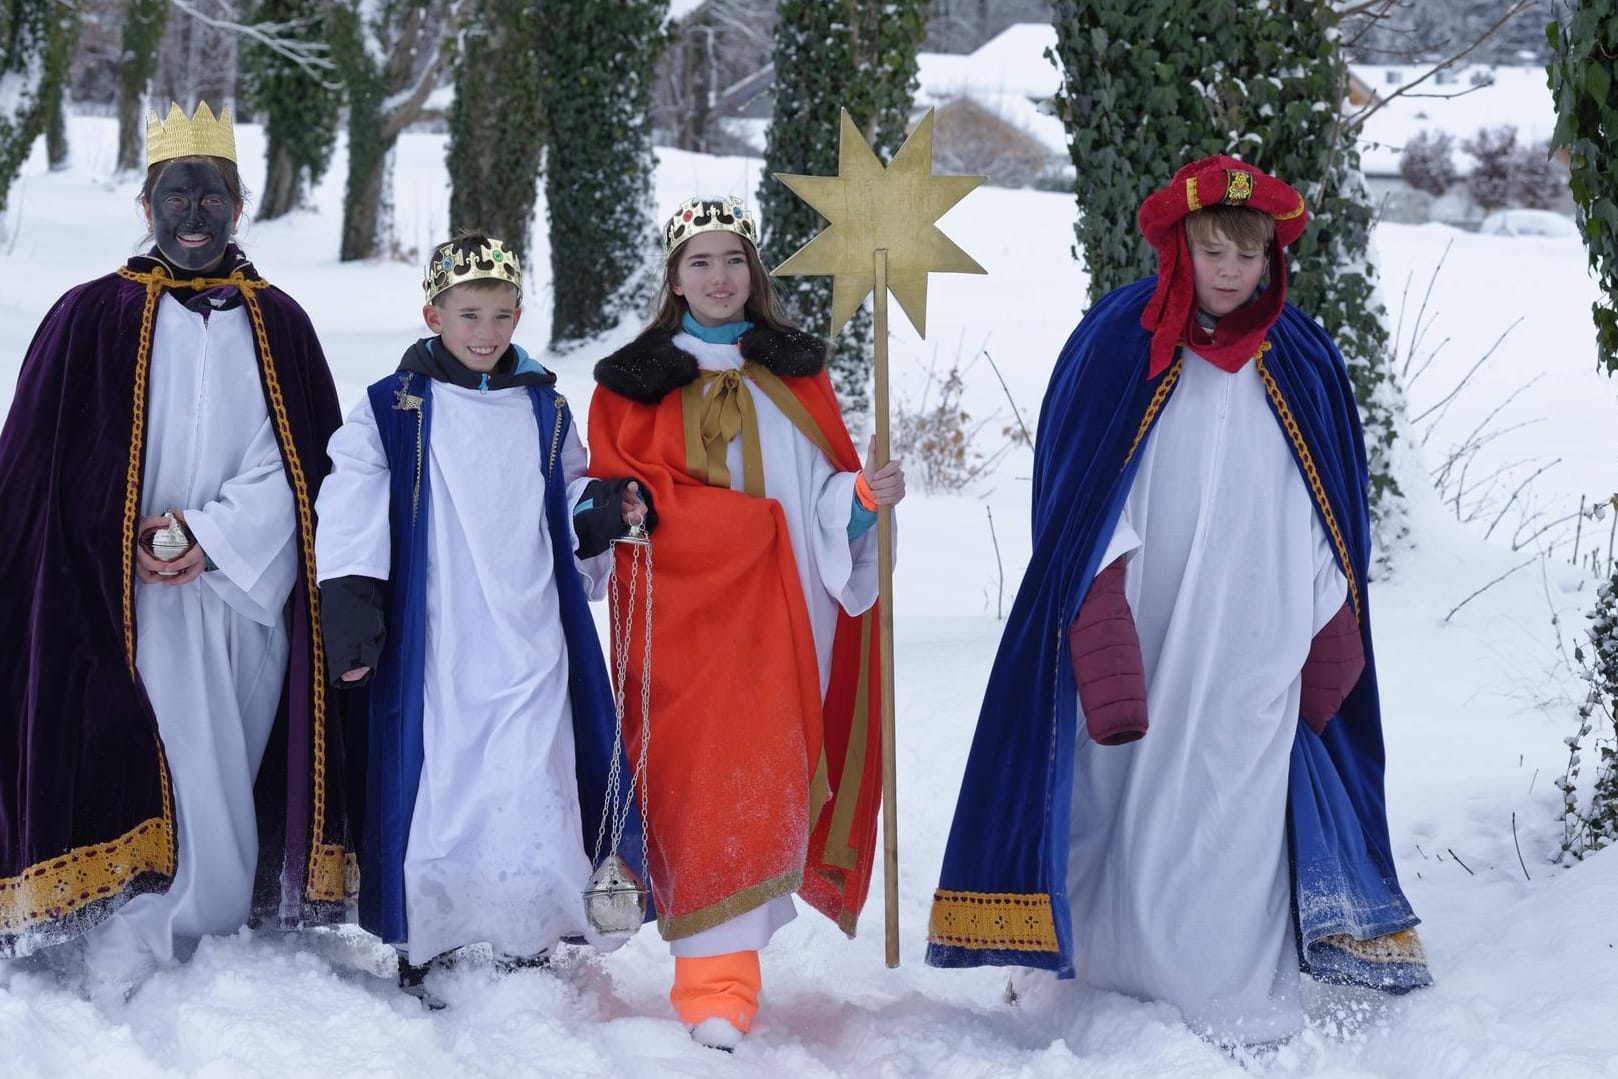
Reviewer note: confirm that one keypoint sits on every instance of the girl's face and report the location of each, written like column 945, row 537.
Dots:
column 192, row 216
column 1226, row 275
column 710, row 274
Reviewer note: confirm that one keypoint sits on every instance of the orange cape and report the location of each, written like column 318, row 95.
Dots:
column 755, row 787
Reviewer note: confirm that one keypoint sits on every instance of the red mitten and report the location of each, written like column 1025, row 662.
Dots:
column 1336, row 661
column 1105, row 650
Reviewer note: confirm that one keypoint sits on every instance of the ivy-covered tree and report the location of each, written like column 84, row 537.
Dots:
column 35, row 44
column 1584, row 82
column 597, row 87
column 831, row 54
column 1149, row 85
column 144, row 21
column 496, row 125
column 298, row 105
column 58, row 68
column 390, row 55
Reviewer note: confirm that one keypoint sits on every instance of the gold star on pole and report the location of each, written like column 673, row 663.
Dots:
column 871, row 208
column 882, row 238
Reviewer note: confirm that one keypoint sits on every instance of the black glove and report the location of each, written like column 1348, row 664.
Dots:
column 353, row 623
column 598, row 518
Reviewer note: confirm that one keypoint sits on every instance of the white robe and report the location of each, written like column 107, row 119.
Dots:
column 211, row 653
column 816, row 499
column 495, row 853
column 1178, row 874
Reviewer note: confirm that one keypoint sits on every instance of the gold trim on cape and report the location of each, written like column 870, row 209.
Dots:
column 1311, row 475
column 999, row 920
column 50, row 890
column 731, row 906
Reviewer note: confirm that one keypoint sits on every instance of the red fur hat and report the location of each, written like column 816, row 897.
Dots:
column 1214, row 181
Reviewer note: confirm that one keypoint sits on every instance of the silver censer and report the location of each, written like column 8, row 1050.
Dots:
column 614, row 900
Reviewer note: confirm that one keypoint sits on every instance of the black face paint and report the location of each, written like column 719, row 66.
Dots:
column 192, row 216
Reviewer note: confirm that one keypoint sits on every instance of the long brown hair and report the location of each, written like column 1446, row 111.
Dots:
column 763, row 307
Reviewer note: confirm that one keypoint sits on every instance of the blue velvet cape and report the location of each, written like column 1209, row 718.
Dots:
column 1002, row 896
column 386, row 720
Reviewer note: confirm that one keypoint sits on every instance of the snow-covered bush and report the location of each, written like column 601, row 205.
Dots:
column 1538, row 181
column 1426, row 164
column 1593, row 824
column 1494, row 150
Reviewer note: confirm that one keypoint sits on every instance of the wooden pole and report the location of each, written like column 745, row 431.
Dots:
column 884, row 555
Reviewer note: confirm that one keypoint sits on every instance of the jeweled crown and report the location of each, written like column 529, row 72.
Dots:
column 200, row 136
column 452, row 264
column 699, row 215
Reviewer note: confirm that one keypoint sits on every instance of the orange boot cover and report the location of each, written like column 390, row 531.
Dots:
column 717, row 986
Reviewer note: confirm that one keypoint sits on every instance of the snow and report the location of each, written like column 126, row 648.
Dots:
column 1526, row 222
column 1476, row 704
column 1478, row 96
column 1008, row 75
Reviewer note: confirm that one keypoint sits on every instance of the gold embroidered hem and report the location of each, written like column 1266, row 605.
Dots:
column 52, row 889
column 723, row 911
column 1401, row 947
column 992, row 920
column 329, row 871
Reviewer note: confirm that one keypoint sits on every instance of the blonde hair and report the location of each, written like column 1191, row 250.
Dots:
column 763, row 307
column 1248, row 229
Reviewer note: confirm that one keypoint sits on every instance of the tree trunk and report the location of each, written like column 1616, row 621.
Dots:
column 131, row 133
column 363, row 209
column 282, row 183
column 56, row 127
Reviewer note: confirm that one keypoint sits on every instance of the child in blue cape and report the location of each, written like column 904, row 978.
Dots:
column 459, row 543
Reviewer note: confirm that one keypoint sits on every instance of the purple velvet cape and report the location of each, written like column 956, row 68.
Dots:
column 86, row 806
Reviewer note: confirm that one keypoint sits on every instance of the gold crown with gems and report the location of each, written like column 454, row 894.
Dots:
column 709, row 214
column 454, row 264
column 200, row 136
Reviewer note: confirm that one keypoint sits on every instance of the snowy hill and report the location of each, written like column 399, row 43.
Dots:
column 1476, row 703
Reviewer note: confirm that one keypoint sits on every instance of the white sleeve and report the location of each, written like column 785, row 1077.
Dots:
column 1125, row 541
column 250, row 533
column 593, row 572
column 848, row 568
column 353, row 538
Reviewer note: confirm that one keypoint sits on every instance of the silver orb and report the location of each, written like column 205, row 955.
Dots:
column 169, row 542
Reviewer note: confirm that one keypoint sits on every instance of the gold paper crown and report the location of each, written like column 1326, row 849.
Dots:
column 200, row 136
column 699, row 215
column 453, row 265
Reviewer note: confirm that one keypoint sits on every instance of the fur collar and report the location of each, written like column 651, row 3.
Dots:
column 651, row 366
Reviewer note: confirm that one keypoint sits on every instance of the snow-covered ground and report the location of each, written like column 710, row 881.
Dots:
column 1476, row 705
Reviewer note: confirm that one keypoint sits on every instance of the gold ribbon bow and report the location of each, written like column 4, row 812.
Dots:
column 718, row 407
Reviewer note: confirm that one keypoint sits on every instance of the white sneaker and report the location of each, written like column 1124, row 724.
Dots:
column 717, row 1033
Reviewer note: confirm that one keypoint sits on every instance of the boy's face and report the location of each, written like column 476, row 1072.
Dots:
column 1226, row 275
column 710, row 272
column 476, row 324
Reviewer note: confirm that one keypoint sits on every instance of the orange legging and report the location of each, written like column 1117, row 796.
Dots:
column 717, row 986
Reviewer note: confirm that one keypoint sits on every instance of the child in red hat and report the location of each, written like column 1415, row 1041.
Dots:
column 1201, row 543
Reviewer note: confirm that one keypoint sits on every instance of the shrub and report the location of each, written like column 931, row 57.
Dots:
column 1426, row 164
